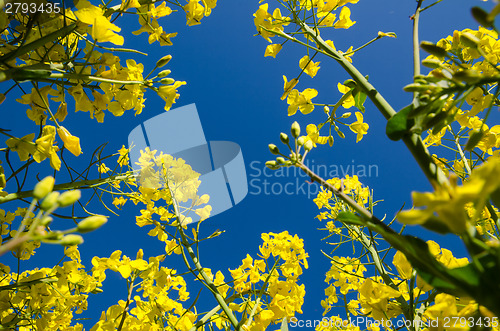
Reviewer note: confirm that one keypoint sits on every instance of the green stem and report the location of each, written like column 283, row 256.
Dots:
column 93, row 78
column 127, row 304
column 83, row 184
column 215, row 291
column 416, row 43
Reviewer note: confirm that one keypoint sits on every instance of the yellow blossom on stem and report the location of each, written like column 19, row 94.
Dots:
column 301, row 101
column 310, row 68
column 71, row 142
column 359, row 127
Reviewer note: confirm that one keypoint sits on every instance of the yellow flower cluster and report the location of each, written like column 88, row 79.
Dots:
column 278, row 280
column 333, row 205
column 48, row 297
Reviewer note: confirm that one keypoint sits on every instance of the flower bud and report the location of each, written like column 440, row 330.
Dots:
column 326, row 109
column 280, row 160
column 50, row 201
column 44, row 187
column 346, row 115
column 295, row 130
column 272, row 165
column 163, row 61
column 167, row 81
column 284, row 138
column 474, row 139
column 3, row 181
column 91, row 223
column 164, row 73
column 330, row 139
column 46, row 220
column 71, row 240
column 301, row 141
column 433, row 49
column 68, row 198
column 469, row 40
column 274, row 149
column 308, row 145
column 54, row 235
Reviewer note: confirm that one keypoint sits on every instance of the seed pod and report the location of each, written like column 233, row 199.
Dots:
column 482, row 17
column 418, row 87
column 470, row 76
column 431, row 63
column 433, row 49
column 469, row 40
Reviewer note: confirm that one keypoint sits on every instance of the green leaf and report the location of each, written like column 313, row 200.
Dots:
column 359, row 99
column 349, row 218
column 398, row 125
column 436, row 225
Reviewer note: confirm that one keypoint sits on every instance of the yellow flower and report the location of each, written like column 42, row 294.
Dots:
column 102, row 28
column 359, row 127
column 313, row 135
column 402, row 265
column 119, row 202
column 288, row 86
column 45, row 148
column 71, row 143
column 301, row 101
column 194, row 12
column 23, row 146
column 349, row 101
column 374, row 298
column 311, row 68
column 272, row 50
column 449, row 202
column 123, row 160
column 102, row 168
column 344, row 21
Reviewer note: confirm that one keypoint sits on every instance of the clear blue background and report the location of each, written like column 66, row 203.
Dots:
column 237, row 92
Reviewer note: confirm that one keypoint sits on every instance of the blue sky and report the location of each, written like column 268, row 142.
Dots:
column 237, row 92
